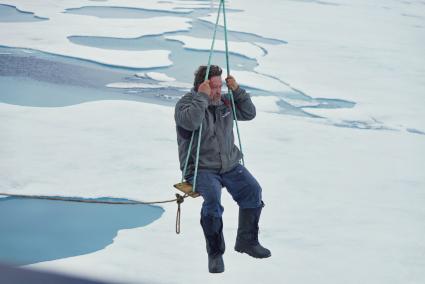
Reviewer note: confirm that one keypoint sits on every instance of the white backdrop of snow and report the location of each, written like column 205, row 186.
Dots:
column 342, row 205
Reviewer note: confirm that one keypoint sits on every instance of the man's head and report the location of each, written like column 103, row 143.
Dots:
column 215, row 80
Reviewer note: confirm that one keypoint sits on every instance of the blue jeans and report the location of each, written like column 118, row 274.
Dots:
column 241, row 185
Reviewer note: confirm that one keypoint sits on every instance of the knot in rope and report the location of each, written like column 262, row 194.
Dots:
column 179, row 198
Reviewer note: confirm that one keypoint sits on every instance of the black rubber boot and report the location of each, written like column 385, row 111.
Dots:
column 247, row 238
column 213, row 232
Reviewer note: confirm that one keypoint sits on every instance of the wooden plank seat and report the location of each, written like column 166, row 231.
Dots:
column 186, row 188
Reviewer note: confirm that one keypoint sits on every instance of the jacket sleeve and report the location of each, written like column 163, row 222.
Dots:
column 190, row 110
column 245, row 109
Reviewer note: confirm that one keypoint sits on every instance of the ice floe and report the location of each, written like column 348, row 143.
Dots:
column 343, row 51
column 156, row 76
column 339, row 200
column 324, row 187
column 241, row 48
column 59, row 26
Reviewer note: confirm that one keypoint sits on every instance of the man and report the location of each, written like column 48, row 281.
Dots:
column 219, row 162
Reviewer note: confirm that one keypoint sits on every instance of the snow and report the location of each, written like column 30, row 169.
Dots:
column 138, row 85
column 125, row 85
column 241, row 48
column 156, row 76
column 181, row 85
column 336, row 198
column 60, row 25
column 51, row 8
column 343, row 205
column 363, row 51
column 260, row 81
column 163, row 81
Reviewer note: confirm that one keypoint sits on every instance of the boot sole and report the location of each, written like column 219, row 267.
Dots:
column 254, row 256
column 217, row 271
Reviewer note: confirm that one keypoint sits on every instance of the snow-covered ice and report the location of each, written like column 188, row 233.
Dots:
column 241, row 48
column 344, row 191
column 156, row 76
column 61, row 25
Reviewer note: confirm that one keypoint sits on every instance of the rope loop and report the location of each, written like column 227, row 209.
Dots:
column 179, row 200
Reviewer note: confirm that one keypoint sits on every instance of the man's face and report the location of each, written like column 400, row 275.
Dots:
column 215, row 85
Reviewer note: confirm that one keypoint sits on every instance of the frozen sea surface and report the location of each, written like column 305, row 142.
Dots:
column 68, row 71
column 337, row 144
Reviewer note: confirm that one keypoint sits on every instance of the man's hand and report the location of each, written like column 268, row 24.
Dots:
column 205, row 87
column 231, row 83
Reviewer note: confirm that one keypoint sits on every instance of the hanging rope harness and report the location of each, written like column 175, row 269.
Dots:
column 179, row 198
column 230, row 95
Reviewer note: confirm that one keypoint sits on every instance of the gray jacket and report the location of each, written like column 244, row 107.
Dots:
column 218, row 152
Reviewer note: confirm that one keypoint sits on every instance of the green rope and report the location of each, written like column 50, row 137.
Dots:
column 229, row 91
column 213, row 41
column 200, row 127
column 221, row 6
column 187, row 156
